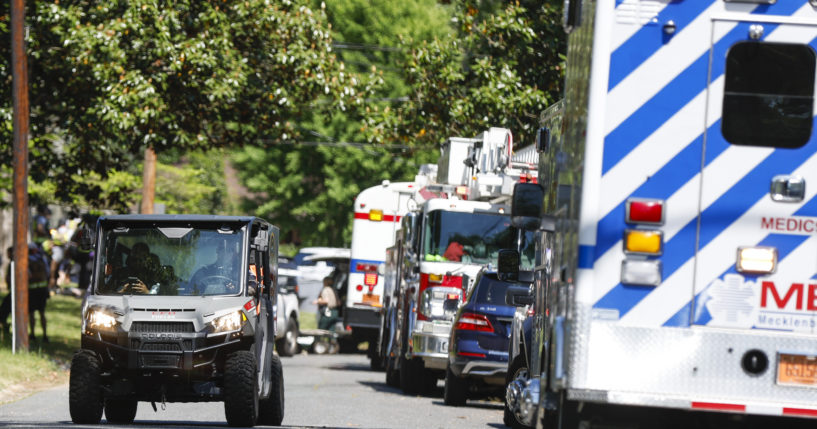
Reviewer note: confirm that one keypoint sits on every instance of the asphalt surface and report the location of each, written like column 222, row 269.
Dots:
column 321, row 391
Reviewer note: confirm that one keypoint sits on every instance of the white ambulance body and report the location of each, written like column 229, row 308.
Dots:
column 681, row 198
column 378, row 211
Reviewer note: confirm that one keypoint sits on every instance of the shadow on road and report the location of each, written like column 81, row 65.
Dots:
column 350, row 367
column 146, row 423
column 485, row 405
column 380, row 387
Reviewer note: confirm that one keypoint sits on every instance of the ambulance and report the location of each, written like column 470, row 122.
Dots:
column 677, row 242
column 377, row 215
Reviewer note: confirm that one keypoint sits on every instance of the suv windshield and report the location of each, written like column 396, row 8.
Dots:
column 470, row 237
column 170, row 261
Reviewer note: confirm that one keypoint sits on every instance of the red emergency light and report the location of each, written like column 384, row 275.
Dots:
column 645, row 211
column 370, row 279
column 366, row 268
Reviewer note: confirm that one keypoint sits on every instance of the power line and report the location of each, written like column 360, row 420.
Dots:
column 365, row 47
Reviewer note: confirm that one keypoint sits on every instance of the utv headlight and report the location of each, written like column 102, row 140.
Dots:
column 100, row 320
column 228, row 322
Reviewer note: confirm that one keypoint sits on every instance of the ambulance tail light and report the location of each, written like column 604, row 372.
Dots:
column 757, row 260
column 641, row 272
column 462, row 192
column 376, row 215
column 370, row 279
column 644, row 211
column 643, row 242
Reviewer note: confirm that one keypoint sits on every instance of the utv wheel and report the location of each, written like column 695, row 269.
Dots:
column 241, row 389
column 518, row 370
column 288, row 345
column 456, row 389
column 271, row 410
column 120, row 410
column 84, row 393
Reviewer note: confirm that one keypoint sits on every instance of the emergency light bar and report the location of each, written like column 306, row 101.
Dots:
column 757, row 260
column 645, row 242
column 366, row 268
column 376, row 215
column 644, row 211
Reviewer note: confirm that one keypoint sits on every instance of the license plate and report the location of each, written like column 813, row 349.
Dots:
column 797, row 370
column 371, row 299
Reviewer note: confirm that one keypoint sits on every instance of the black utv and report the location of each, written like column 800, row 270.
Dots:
column 180, row 309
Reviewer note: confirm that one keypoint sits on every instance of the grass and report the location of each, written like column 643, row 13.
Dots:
column 308, row 321
column 46, row 363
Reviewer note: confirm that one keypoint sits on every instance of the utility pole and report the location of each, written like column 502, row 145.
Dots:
column 20, row 118
column 148, row 181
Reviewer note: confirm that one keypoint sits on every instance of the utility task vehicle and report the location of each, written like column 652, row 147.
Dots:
column 180, row 310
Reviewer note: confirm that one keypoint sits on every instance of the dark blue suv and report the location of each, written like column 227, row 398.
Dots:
column 478, row 346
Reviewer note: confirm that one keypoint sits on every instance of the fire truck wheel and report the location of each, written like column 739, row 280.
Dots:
column 241, row 389
column 409, row 380
column 288, row 345
column 84, row 393
column 456, row 389
column 120, row 410
column 271, row 410
column 392, row 375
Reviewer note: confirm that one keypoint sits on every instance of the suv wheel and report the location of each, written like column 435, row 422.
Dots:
column 456, row 389
column 84, row 394
column 409, row 376
column 241, row 389
column 120, row 410
column 288, row 345
column 271, row 411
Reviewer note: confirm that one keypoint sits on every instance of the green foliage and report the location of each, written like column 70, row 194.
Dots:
column 504, row 67
column 109, row 78
column 194, row 185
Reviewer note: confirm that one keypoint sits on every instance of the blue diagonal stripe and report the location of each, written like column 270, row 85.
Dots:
column 668, row 101
column 714, row 219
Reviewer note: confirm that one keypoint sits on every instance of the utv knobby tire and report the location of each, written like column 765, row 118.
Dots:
column 456, row 389
column 517, row 368
column 120, row 410
column 288, row 345
column 84, row 393
column 241, row 389
column 271, row 410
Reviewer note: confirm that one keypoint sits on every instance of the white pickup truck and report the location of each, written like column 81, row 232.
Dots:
column 288, row 315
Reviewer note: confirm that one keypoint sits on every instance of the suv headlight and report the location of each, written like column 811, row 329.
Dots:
column 101, row 321
column 228, row 322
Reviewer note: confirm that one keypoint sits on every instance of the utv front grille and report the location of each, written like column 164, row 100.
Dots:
column 160, row 361
column 161, row 347
column 162, row 327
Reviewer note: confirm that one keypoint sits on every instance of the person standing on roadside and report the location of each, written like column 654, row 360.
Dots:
column 37, row 290
column 328, row 304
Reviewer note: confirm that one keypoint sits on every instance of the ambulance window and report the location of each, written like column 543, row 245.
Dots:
column 769, row 94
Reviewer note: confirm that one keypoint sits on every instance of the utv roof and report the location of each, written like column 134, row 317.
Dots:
column 178, row 218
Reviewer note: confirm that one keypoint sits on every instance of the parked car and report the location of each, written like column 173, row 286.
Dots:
column 287, row 323
column 478, row 345
column 315, row 269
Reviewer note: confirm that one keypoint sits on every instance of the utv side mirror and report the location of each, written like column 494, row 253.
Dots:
column 508, row 265
column 527, row 204
column 518, row 296
column 542, row 139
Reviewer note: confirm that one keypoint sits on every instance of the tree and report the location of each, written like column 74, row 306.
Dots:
column 111, row 78
column 310, row 189
column 505, row 66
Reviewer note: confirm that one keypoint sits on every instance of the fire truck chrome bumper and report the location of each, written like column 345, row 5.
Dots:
column 432, row 348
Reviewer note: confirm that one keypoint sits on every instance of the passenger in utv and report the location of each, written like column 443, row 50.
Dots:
column 131, row 278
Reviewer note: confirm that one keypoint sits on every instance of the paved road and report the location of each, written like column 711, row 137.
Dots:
column 337, row 391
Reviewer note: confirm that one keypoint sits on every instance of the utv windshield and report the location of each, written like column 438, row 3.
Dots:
column 170, row 261
column 472, row 238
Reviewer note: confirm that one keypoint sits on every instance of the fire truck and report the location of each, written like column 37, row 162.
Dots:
column 677, row 235
column 377, row 215
column 459, row 224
